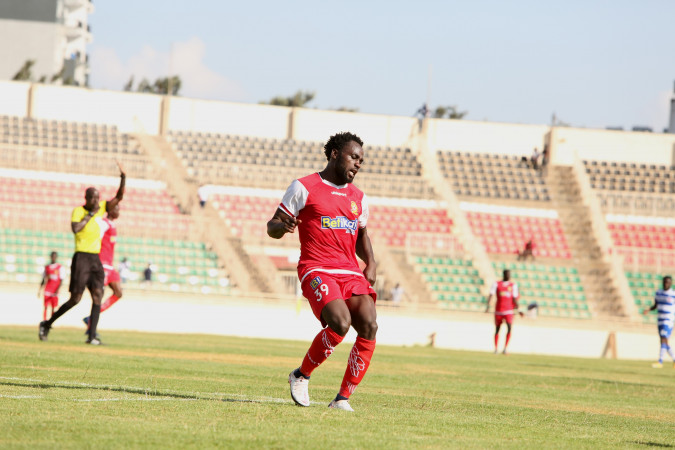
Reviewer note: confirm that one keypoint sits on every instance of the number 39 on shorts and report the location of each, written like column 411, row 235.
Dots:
column 318, row 291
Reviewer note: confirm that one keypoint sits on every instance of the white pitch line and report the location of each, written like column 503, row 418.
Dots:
column 21, row 397
column 218, row 396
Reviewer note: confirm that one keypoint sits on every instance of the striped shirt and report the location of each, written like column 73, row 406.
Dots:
column 665, row 306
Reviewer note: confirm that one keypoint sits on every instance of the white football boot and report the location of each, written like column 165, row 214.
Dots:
column 299, row 389
column 341, row 404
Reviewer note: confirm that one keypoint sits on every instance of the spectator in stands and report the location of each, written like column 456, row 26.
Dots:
column 86, row 268
column 397, row 294
column 527, row 252
column 147, row 274
column 532, row 310
column 534, row 159
column 124, row 269
column 203, row 194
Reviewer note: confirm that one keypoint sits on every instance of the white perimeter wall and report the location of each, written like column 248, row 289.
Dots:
column 171, row 313
column 485, row 137
column 14, row 98
column 228, row 118
column 316, row 125
column 609, row 145
column 134, row 112
column 131, row 112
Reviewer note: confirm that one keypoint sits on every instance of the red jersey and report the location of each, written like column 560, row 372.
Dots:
column 507, row 293
column 55, row 274
column 331, row 217
column 108, row 242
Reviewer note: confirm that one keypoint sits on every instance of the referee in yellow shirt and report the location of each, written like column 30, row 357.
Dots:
column 86, row 270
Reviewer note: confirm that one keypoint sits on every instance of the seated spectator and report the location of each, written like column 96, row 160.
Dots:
column 527, row 252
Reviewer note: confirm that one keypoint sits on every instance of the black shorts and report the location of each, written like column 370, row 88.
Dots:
column 86, row 271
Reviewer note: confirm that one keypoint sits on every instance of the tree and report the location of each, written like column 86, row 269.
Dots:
column 130, row 84
column 299, row 99
column 346, row 109
column 24, row 74
column 450, row 112
column 161, row 86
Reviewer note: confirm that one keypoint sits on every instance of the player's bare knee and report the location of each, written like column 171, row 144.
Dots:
column 369, row 330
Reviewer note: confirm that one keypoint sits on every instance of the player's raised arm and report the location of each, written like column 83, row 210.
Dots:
column 364, row 250
column 280, row 224
column 110, row 204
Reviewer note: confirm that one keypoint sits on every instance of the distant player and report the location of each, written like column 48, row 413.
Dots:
column 86, row 270
column 52, row 276
column 507, row 295
column 107, row 255
column 331, row 214
column 664, row 303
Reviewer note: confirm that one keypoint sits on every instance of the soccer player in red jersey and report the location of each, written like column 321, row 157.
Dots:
column 331, row 214
column 52, row 277
column 507, row 295
column 107, row 255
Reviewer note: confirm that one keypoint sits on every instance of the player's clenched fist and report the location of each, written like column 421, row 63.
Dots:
column 290, row 223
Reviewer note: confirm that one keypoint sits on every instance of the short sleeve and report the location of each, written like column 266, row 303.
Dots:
column 102, row 205
column 294, row 199
column 493, row 289
column 78, row 214
column 365, row 212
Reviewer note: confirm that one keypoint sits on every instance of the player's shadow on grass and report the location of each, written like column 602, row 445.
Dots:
column 653, row 444
column 127, row 390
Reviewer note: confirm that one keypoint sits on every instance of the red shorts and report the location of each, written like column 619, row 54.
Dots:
column 51, row 300
column 321, row 288
column 111, row 276
column 499, row 318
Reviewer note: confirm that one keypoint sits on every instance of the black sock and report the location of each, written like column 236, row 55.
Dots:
column 61, row 311
column 93, row 320
column 340, row 397
column 298, row 374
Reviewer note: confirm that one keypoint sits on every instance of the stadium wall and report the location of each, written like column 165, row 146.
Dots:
column 316, row 125
column 206, row 116
column 485, row 137
column 610, row 145
column 14, row 98
column 148, row 311
column 135, row 112
column 131, row 112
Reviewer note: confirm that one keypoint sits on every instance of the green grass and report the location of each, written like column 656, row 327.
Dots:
column 196, row 391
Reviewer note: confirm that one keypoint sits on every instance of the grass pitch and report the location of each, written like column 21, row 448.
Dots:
column 196, row 391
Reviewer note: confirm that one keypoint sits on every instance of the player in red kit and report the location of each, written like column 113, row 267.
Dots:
column 331, row 214
column 507, row 295
column 107, row 255
column 52, row 277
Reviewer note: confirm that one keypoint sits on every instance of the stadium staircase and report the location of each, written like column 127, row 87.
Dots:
column 246, row 274
column 591, row 254
column 432, row 173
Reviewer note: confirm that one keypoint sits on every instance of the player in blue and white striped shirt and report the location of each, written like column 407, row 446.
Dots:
column 664, row 303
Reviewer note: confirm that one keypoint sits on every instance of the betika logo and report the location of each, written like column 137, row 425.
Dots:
column 339, row 223
column 316, row 281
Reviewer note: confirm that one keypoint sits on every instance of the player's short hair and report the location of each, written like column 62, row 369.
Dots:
column 53, row 253
column 338, row 141
column 668, row 277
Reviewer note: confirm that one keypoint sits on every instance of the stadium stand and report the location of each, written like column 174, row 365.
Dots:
column 179, row 265
column 491, row 176
column 68, row 147
column 632, row 177
column 505, row 230
column 237, row 160
column 247, row 211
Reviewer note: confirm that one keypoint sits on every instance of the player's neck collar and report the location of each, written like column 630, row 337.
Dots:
column 336, row 186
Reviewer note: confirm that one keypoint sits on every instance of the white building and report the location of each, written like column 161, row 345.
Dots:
column 54, row 33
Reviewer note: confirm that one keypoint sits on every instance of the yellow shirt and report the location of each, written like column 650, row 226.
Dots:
column 88, row 239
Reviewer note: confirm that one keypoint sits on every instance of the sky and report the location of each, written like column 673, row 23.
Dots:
column 592, row 63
